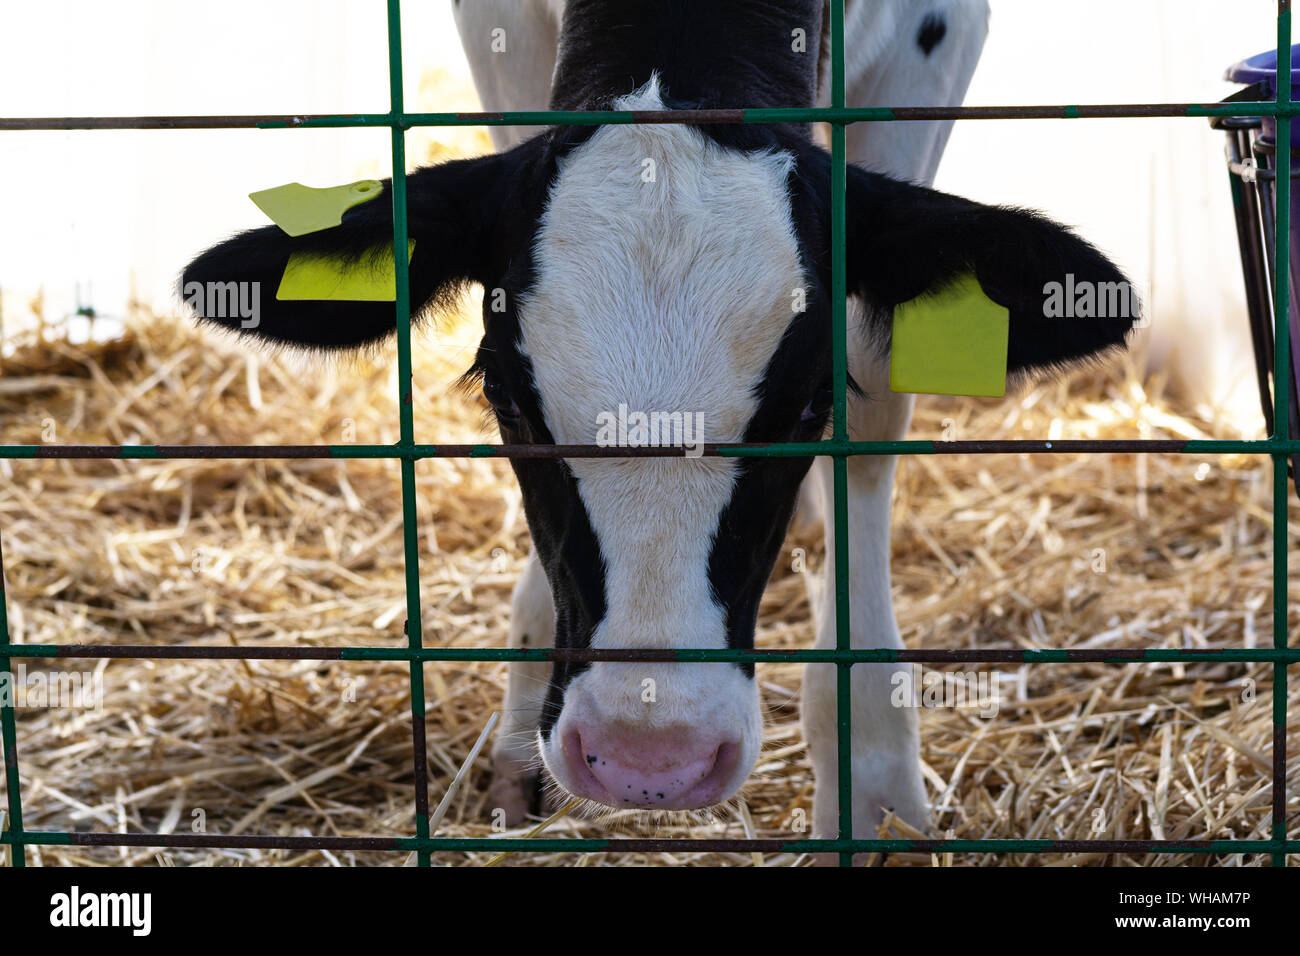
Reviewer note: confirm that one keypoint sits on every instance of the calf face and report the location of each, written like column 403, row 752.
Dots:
column 683, row 271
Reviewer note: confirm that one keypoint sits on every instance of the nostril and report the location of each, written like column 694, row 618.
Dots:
column 727, row 757
column 580, row 764
column 713, row 785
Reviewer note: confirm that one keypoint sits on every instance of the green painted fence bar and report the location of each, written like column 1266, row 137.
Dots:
column 8, row 735
column 624, row 845
column 840, row 437
column 1148, row 446
column 405, row 411
column 769, row 655
column 840, row 448
column 1281, row 417
column 865, row 114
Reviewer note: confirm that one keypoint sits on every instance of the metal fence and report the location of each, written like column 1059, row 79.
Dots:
column 1278, row 446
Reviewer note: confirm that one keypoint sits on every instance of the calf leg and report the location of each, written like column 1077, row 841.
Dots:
column 908, row 54
column 510, row 46
column 516, row 766
column 885, row 743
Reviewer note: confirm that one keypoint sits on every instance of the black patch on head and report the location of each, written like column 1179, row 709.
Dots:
column 570, row 554
column 933, row 30
column 724, row 54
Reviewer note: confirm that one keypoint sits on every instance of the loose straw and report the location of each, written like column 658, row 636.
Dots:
column 747, row 822
column 460, row 774
column 563, row 811
column 1019, row 550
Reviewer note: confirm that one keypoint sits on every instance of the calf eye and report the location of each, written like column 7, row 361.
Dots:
column 818, row 407
column 498, row 396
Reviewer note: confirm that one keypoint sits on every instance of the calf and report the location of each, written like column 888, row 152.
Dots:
column 686, row 269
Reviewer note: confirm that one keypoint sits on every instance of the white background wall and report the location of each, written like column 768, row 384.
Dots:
column 1153, row 193
column 124, row 210
column 120, row 212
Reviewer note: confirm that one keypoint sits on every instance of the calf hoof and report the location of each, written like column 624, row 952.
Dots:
column 516, row 792
column 912, row 813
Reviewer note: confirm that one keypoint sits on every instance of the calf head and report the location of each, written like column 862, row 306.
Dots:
column 680, row 271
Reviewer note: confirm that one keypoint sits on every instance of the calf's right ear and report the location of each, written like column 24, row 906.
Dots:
column 906, row 241
column 452, row 209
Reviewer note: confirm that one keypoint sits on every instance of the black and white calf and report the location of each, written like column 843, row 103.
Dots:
column 677, row 291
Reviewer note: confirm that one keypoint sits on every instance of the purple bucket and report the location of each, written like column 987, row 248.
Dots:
column 1262, row 68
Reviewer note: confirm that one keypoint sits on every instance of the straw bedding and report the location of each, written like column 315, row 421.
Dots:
column 1066, row 551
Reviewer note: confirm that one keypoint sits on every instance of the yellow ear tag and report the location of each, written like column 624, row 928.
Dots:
column 299, row 209
column 953, row 342
column 311, row 276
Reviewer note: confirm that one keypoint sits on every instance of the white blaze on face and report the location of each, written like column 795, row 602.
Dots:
column 666, row 269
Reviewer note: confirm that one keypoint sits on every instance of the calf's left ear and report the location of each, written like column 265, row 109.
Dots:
column 453, row 216
column 906, row 241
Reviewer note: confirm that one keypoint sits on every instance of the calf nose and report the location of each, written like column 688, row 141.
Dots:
column 660, row 769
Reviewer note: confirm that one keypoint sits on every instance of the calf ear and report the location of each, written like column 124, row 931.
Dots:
column 451, row 210
column 905, row 241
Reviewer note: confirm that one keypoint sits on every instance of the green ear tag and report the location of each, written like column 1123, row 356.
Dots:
column 299, row 209
column 311, row 276
column 953, row 342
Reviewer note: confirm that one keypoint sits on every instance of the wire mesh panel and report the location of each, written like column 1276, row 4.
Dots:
column 838, row 447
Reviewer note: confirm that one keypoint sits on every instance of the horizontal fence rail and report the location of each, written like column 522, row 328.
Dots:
column 1174, row 446
column 630, row 845
column 840, row 448
column 765, row 655
column 841, row 116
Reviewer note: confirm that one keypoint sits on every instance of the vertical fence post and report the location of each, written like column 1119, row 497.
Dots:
column 1281, row 416
column 8, row 733
column 406, row 397
column 840, row 437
